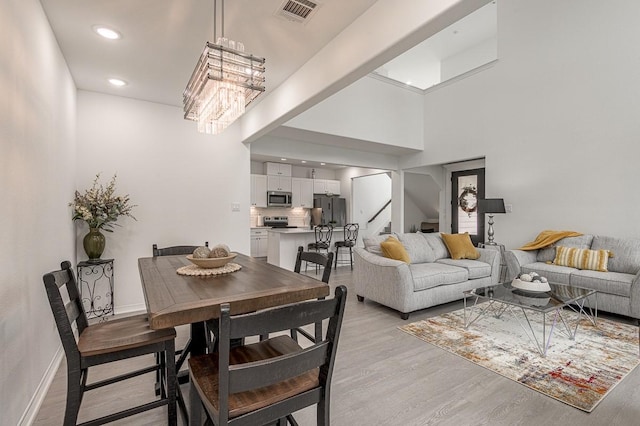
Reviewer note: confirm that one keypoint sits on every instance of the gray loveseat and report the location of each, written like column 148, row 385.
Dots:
column 618, row 289
column 432, row 277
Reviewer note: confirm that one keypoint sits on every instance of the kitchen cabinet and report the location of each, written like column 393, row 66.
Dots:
column 326, row 186
column 278, row 169
column 302, row 192
column 333, row 187
column 259, row 242
column 258, row 191
column 279, row 183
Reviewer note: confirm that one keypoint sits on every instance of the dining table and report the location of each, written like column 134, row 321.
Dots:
column 173, row 299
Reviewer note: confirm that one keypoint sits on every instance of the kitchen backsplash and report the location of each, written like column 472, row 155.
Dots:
column 297, row 216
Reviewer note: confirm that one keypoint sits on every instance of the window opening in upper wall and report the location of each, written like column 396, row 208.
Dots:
column 463, row 46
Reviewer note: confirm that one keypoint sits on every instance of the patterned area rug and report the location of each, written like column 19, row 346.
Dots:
column 579, row 373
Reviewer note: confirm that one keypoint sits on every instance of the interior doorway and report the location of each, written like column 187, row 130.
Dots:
column 371, row 206
column 467, row 187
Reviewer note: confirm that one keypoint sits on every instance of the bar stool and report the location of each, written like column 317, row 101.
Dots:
column 350, row 238
column 323, row 235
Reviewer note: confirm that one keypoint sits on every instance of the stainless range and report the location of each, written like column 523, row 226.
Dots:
column 277, row 222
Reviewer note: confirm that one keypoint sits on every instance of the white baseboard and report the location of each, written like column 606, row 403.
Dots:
column 33, row 407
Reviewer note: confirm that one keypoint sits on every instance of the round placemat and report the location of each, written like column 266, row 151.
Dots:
column 195, row 270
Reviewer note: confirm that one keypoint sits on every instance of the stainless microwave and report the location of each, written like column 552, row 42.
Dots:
column 278, row 199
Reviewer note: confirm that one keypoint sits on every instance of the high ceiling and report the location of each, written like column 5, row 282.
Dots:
column 162, row 40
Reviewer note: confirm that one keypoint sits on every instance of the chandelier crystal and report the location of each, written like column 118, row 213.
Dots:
column 224, row 81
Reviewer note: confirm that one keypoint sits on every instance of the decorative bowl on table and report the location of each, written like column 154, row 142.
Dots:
column 531, row 282
column 211, row 262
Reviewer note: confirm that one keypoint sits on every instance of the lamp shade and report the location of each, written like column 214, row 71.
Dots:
column 491, row 205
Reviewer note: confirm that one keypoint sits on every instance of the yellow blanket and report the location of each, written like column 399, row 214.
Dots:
column 547, row 238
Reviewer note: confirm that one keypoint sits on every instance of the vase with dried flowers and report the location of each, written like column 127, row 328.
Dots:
column 100, row 208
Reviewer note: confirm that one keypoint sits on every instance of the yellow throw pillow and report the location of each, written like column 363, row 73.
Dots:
column 460, row 246
column 594, row 260
column 393, row 249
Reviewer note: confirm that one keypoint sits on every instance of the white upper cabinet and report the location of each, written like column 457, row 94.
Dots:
column 258, row 190
column 278, row 169
column 326, row 186
column 333, row 187
column 302, row 192
column 279, row 183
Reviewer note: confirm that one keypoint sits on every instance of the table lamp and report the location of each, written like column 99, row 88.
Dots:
column 491, row 206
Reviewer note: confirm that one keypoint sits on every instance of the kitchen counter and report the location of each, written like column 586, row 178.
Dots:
column 284, row 242
column 291, row 230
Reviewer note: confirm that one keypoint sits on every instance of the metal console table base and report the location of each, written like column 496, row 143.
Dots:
column 95, row 278
column 474, row 312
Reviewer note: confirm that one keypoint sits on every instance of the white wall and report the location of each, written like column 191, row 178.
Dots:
column 183, row 182
column 480, row 54
column 556, row 119
column 37, row 156
column 413, row 216
column 371, row 110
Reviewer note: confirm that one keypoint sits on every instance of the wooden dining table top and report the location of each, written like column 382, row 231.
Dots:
column 174, row 299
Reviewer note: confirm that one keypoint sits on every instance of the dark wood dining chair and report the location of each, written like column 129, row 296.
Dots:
column 183, row 352
column 103, row 343
column 350, row 238
column 319, row 259
column 264, row 382
column 322, row 260
column 175, row 250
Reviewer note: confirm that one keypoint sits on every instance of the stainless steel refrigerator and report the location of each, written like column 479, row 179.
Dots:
column 334, row 210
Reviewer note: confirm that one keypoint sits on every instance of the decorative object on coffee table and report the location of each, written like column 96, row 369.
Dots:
column 491, row 206
column 579, row 373
column 532, row 282
column 100, row 208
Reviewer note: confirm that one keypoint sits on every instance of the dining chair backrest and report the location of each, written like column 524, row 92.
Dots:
column 175, row 250
column 66, row 314
column 276, row 375
column 324, row 260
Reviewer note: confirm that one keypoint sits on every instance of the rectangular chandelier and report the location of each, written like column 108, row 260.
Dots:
column 224, row 81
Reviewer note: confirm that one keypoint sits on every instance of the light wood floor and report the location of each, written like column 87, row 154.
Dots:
column 386, row 377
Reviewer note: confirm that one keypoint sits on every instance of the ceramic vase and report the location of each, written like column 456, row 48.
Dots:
column 93, row 243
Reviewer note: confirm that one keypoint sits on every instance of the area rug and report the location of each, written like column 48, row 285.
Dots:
column 578, row 372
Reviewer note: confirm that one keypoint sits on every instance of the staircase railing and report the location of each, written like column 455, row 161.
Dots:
column 379, row 211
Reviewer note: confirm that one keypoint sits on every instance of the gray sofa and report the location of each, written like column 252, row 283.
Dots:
column 618, row 290
column 432, row 277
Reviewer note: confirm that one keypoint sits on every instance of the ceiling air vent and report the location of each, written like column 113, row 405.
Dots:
column 297, row 10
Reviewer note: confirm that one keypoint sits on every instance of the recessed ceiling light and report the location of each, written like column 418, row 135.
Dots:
column 107, row 32
column 117, row 82
column 303, row 161
column 283, row 159
column 323, row 164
